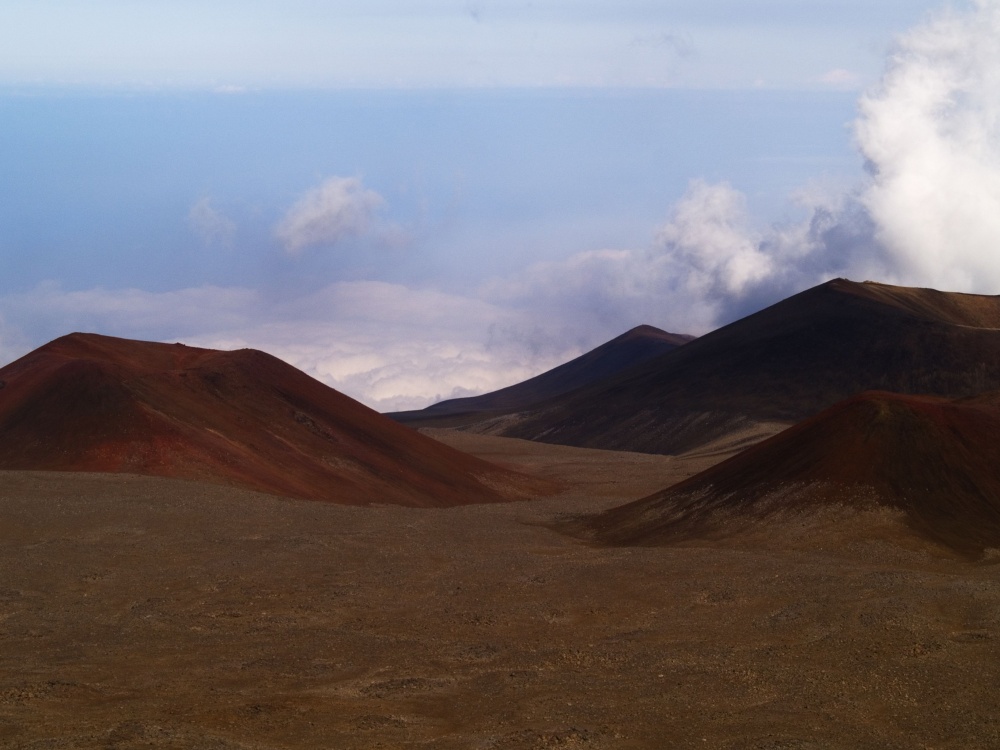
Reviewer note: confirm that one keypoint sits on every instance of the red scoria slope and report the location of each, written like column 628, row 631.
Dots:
column 937, row 460
column 86, row 402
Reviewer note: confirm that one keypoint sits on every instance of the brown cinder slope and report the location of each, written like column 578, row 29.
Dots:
column 784, row 363
column 86, row 402
column 936, row 460
column 637, row 345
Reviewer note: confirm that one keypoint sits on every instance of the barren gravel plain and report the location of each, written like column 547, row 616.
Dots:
column 152, row 613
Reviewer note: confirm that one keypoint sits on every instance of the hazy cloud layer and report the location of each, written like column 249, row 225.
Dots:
column 13, row 342
column 338, row 209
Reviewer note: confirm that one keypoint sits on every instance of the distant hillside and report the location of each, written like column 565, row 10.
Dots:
column 633, row 347
column 783, row 363
column 86, row 402
column 937, row 461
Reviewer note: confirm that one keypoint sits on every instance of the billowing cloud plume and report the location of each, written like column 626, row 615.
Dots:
column 337, row 209
column 708, row 264
column 931, row 132
column 210, row 225
column 709, row 234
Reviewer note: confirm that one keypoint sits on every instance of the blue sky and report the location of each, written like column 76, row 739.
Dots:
column 425, row 199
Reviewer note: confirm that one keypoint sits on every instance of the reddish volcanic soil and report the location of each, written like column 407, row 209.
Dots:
column 99, row 404
column 936, row 461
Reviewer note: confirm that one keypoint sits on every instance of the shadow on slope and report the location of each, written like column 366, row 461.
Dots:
column 783, row 364
column 633, row 347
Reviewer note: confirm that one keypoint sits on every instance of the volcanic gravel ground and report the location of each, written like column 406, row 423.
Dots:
column 154, row 613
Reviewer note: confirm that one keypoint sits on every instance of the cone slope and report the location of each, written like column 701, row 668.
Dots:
column 936, row 460
column 86, row 402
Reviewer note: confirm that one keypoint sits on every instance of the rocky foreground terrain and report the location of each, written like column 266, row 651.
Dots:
column 143, row 612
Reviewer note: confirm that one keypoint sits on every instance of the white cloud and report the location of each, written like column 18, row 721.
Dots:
column 210, row 225
column 390, row 372
column 337, row 209
column 931, row 132
column 709, row 235
column 678, row 44
column 706, row 252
